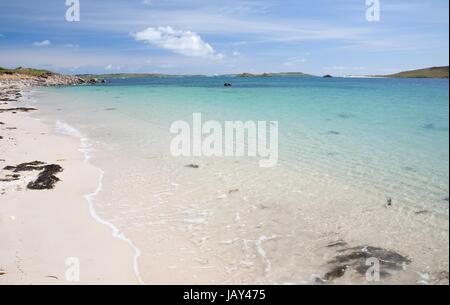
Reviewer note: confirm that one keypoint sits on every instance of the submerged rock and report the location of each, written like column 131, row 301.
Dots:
column 335, row 273
column 356, row 259
column 345, row 116
column 431, row 126
column 333, row 132
column 389, row 201
column 339, row 243
column 193, row 166
column 422, row 212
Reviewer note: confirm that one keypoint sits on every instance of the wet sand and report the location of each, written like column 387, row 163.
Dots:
column 46, row 233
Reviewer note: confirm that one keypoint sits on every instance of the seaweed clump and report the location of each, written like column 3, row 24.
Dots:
column 45, row 180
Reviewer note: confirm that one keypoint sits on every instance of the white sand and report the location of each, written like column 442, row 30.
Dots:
column 41, row 229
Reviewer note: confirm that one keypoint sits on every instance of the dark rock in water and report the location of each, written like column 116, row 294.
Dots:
column 356, row 258
column 319, row 281
column 409, row 169
column 335, row 273
column 193, row 166
column 345, row 116
column 422, row 212
column 358, row 255
column 428, row 126
column 46, row 180
column 332, row 132
column 389, row 201
column 227, row 85
column 327, row 76
column 431, row 126
column 339, row 243
column 443, row 275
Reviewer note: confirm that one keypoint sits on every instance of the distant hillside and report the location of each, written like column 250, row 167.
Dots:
column 435, row 72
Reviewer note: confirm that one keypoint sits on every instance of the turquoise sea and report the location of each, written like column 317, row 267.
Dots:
column 347, row 147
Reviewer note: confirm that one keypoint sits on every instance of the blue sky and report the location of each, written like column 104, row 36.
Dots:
column 232, row 36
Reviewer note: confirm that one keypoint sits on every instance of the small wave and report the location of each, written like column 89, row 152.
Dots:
column 66, row 129
column 86, row 148
column 115, row 231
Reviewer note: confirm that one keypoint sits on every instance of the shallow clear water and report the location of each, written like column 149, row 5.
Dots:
column 346, row 145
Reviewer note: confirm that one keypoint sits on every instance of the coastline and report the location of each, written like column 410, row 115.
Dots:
column 41, row 231
column 182, row 243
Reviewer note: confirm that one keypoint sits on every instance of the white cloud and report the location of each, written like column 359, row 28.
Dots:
column 147, row 2
column 183, row 42
column 236, row 53
column 43, row 43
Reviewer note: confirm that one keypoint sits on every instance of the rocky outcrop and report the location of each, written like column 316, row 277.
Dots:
column 44, row 80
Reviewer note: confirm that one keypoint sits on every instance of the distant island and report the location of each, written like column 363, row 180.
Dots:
column 160, row 75
column 434, row 72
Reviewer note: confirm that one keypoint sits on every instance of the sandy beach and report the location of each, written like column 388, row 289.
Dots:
column 46, row 233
